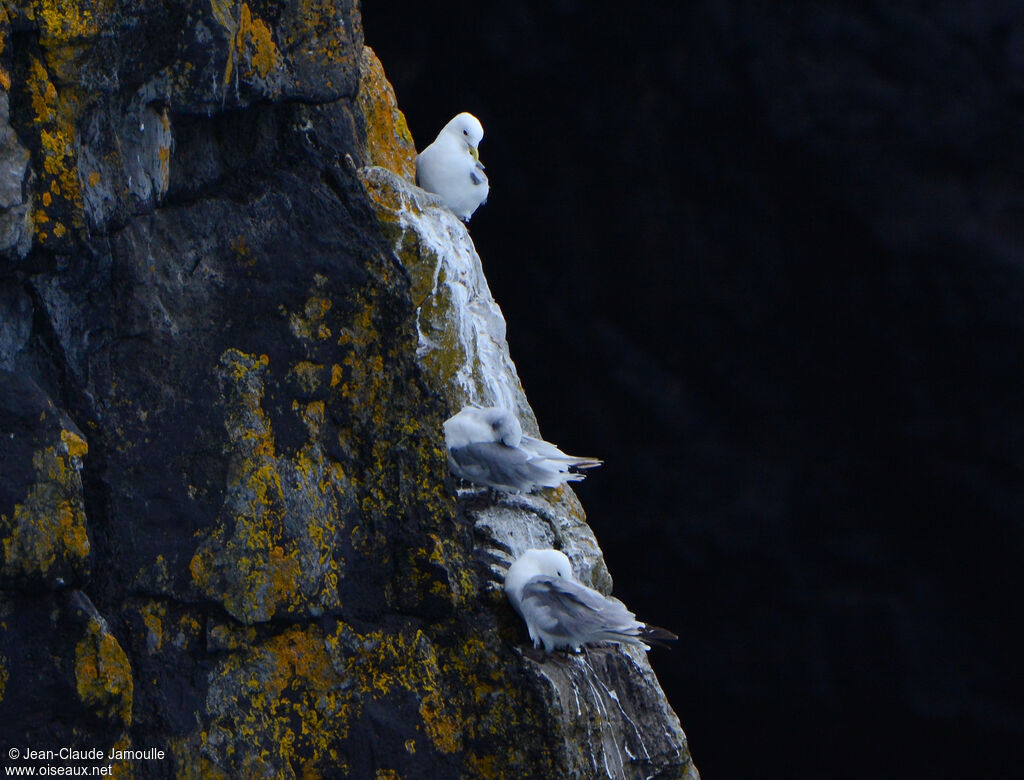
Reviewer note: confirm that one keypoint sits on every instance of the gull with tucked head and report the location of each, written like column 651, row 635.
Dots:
column 451, row 167
column 560, row 612
column 488, row 447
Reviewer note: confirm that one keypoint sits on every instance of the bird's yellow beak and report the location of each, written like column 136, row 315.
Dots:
column 474, row 152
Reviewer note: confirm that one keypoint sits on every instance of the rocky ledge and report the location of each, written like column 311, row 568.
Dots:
column 230, row 330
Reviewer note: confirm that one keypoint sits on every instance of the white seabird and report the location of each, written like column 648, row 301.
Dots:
column 487, row 447
column 451, row 167
column 560, row 612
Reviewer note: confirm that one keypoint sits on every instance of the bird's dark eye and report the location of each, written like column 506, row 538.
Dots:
column 465, row 132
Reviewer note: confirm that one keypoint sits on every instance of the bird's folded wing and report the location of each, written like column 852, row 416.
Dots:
column 565, row 608
column 551, row 452
column 492, row 463
column 477, row 174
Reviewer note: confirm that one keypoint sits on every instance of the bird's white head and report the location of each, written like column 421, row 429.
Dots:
column 468, row 128
column 550, row 563
column 504, row 424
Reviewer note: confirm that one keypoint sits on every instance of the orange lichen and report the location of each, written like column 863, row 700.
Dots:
column 389, row 143
column 252, row 42
column 47, row 529
column 75, row 444
column 103, row 675
column 310, row 323
column 308, row 375
column 253, row 563
column 283, row 694
column 65, row 21
column 255, row 40
column 54, row 117
column 152, row 616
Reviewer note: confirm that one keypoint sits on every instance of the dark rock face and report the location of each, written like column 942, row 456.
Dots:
column 795, row 332
column 227, row 528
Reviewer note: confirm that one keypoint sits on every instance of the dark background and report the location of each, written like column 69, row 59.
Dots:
column 766, row 260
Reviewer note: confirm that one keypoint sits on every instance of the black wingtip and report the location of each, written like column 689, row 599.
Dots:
column 656, row 635
column 584, row 463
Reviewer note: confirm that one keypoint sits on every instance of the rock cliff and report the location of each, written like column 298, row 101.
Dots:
column 230, row 329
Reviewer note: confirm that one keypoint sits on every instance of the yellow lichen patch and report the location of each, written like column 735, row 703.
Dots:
column 255, row 42
column 123, row 769
column 255, row 563
column 252, row 42
column 103, row 675
column 54, row 117
column 407, row 661
column 223, row 12
column 285, row 701
column 63, row 21
column 153, row 614
column 46, row 533
column 387, row 774
column 5, row 31
column 75, row 444
column 389, row 143
column 441, row 726
column 308, row 375
column 310, row 324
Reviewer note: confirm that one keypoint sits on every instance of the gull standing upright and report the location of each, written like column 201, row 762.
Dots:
column 451, row 167
column 487, row 447
column 560, row 612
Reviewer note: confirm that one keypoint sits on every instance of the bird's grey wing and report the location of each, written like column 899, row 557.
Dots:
column 492, row 463
column 548, row 450
column 565, row 608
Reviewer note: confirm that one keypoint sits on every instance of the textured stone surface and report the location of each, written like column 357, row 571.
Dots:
column 64, row 677
column 43, row 537
column 259, row 563
column 462, row 347
column 15, row 223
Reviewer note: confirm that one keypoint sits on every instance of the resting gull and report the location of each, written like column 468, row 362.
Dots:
column 560, row 612
column 487, row 447
column 451, row 167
